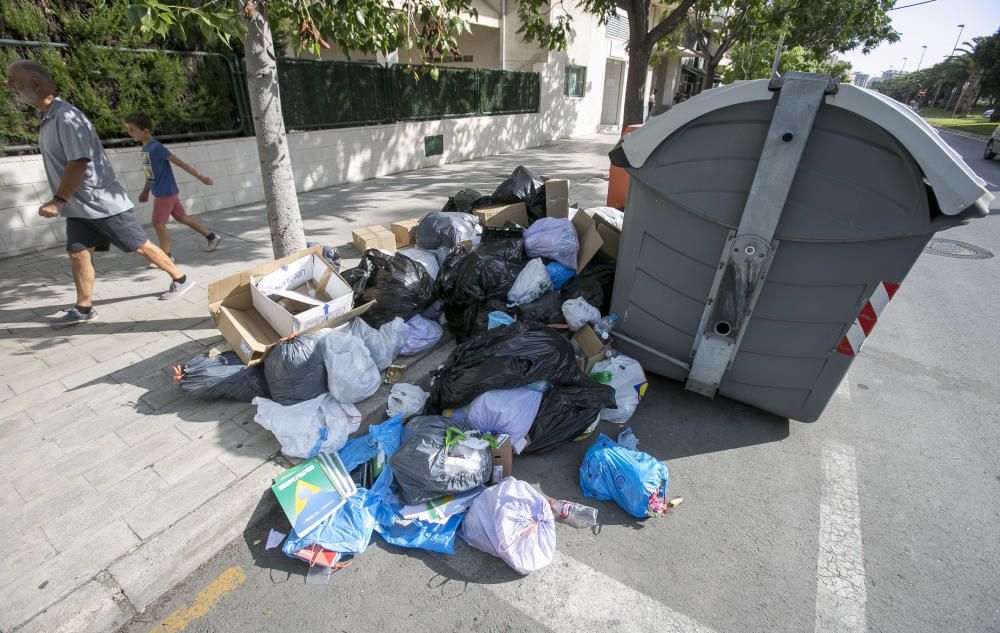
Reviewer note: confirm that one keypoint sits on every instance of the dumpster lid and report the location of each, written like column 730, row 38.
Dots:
column 955, row 186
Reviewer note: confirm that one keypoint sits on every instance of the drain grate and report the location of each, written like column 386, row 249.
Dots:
column 954, row 248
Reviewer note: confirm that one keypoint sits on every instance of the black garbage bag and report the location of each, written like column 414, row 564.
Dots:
column 595, row 284
column 445, row 230
column 221, row 376
column 425, row 468
column 330, row 254
column 568, row 411
column 466, row 201
column 522, row 186
column 294, row 369
column 400, row 286
column 503, row 358
column 470, row 279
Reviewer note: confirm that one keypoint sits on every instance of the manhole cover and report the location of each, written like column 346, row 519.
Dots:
column 954, row 248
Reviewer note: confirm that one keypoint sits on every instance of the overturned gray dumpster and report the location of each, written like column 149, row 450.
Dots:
column 767, row 225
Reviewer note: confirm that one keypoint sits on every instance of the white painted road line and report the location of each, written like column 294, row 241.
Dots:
column 840, row 569
column 570, row 597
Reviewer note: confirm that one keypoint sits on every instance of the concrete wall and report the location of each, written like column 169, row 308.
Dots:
column 321, row 158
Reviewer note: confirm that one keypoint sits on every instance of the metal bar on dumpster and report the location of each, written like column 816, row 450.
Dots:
column 747, row 255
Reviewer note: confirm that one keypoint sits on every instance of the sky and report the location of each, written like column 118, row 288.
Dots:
column 934, row 25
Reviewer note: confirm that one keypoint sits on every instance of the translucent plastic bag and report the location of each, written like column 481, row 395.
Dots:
column 350, row 371
column 510, row 411
column 294, row 369
column 427, row 258
column 553, row 238
column 422, row 334
column 559, row 274
column 406, row 400
column 514, row 522
column 626, row 376
column 579, row 313
column 307, row 428
column 532, row 282
column 630, row 478
column 384, row 343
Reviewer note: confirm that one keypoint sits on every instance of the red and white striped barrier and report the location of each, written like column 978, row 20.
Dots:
column 865, row 323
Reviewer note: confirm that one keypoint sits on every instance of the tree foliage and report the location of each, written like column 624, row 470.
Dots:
column 753, row 60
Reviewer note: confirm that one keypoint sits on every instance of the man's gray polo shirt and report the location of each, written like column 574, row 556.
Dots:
column 66, row 134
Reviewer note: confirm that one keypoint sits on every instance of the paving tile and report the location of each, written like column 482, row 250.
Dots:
column 52, row 470
column 137, row 457
column 257, row 449
column 131, row 494
column 82, row 432
column 216, row 439
column 101, row 372
column 45, row 584
column 46, row 504
column 180, row 499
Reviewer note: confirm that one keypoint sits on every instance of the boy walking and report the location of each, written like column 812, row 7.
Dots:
column 97, row 209
column 156, row 161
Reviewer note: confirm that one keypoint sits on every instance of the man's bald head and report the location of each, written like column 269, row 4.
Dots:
column 31, row 70
column 30, row 82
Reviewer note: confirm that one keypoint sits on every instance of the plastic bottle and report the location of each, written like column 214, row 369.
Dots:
column 604, row 326
column 627, row 439
column 573, row 514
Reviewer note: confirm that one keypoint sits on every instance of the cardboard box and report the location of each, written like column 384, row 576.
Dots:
column 590, row 240
column 405, row 231
column 374, row 237
column 557, row 198
column 249, row 334
column 497, row 216
column 270, row 292
column 610, row 238
column 503, row 459
column 594, row 349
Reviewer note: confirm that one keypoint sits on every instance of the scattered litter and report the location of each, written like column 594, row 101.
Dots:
column 394, row 374
column 573, row 514
column 676, row 501
column 514, row 522
column 274, row 539
column 627, row 439
column 634, row 480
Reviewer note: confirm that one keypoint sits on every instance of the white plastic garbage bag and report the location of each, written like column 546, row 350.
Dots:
column 422, row 334
column 427, row 258
column 510, row 411
column 553, row 238
column 579, row 313
column 532, row 282
column 351, row 374
column 626, row 376
column 513, row 521
column 384, row 343
column 611, row 215
column 406, row 400
column 309, row 427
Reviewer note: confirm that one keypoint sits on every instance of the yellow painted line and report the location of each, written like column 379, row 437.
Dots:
column 204, row 601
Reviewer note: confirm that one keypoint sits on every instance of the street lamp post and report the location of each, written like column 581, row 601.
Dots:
column 903, row 67
column 961, row 27
column 921, row 57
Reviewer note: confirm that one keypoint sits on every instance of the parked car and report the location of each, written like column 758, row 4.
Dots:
column 992, row 145
column 988, row 114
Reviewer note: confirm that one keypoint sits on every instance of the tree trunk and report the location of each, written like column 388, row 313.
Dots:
column 639, row 52
column 968, row 97
column 709, row 79
column 282, row 202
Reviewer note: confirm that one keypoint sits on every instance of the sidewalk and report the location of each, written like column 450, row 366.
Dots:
column 114, row 485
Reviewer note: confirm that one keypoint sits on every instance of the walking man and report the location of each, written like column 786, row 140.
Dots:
column 97, row 208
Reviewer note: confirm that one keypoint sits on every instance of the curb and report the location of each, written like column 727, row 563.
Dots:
column 972, row 135
column 123, row 589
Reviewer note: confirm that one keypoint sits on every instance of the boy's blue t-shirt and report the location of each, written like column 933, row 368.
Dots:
column 159, row 174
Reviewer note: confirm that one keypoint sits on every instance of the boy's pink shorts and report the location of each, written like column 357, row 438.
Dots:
column 166, row 206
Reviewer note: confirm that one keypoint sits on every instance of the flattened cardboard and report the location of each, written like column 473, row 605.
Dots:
column 374, row 237
column 405, row 231
column 611, row 239
column 590, row 240
column 557, row 198
column 497, row 216
column 247, row 332
column 594, row 350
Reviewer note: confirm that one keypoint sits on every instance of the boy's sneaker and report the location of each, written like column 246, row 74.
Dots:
column 213, row 243
column 177, row 289
column 72, row 317
column 153, row 266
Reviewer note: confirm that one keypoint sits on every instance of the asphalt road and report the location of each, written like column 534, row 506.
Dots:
column 882, row 516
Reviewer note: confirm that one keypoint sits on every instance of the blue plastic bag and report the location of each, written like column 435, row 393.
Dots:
column 629, row 478
column 499, row 319
column 559, row 274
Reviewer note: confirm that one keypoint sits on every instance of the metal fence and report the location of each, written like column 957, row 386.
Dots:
column 196, row 95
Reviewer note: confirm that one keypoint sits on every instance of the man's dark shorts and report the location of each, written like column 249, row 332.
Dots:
column 122, row 230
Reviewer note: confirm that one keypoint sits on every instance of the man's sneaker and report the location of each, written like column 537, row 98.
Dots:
column 213, row 243
column 72, row 317
column 154, row 266
column 177, row 289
